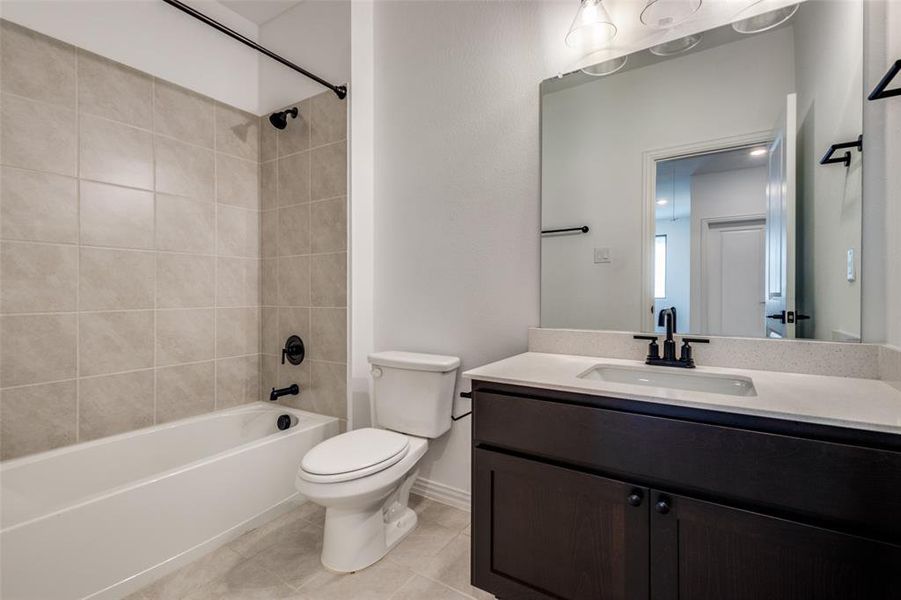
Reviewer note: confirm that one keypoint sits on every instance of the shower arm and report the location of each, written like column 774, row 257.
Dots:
column 340, row 90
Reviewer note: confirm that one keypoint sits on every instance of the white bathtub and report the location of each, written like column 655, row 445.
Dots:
column 102, row 519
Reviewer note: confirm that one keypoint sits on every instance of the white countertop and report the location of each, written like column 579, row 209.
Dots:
column 868, row 404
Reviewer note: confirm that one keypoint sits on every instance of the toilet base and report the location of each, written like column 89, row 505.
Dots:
column 357, row 538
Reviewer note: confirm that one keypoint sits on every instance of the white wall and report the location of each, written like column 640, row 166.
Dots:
column 456, row 188
column 155, row 38
column 828, row 42
column 314, row 35
column 594, row 136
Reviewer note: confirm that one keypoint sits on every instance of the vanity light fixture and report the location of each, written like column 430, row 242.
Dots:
column 758, row 151
column 592, row 28
column 607, row 67
column 661, row 14
column 676, row 46
column 662, row 202
column 764, row 21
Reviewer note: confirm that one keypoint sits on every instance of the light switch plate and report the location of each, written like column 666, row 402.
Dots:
column 852, row 274
column 601, row 255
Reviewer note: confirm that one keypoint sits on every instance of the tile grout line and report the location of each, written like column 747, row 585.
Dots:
column 156, row 258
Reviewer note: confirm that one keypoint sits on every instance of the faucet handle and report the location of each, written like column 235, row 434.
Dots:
column 653, row 347
column 687, row 340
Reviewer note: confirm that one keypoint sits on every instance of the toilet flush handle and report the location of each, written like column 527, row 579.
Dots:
column 376, row 372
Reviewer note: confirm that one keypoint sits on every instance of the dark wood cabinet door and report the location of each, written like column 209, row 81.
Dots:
column 542, row 531
column 705, row 551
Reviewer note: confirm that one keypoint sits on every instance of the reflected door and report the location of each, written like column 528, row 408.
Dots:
column 733, row 276
column 780, row 226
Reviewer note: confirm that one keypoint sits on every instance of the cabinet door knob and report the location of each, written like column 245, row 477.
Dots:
column 635, row 498
column 663, row 505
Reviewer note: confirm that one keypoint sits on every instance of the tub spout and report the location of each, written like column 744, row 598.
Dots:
column 291, row 390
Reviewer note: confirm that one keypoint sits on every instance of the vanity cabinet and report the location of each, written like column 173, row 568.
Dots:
column 584, row 497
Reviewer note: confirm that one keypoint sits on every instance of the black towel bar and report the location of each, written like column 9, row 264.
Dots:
column 845, row 159
column 879, row 92
column 582, row 229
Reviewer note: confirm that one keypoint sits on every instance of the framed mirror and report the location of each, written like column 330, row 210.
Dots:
column 718, row 174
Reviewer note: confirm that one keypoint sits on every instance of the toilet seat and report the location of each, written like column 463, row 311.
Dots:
column 353, row 455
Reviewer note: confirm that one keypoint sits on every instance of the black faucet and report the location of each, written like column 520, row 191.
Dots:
column 291, row 390
column 667, row 318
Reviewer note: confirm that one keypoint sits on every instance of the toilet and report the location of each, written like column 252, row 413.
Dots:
column 363, row 477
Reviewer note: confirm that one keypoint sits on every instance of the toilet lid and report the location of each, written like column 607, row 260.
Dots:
column 370, row 450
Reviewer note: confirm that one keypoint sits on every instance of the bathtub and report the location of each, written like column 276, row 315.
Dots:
column 104, row 518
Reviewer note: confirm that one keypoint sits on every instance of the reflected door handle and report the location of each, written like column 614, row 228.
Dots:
column 777, row 317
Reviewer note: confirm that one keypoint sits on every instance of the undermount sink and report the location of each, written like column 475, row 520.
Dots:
column 666, row 377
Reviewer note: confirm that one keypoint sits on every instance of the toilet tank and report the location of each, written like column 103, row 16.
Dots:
column 413, row 393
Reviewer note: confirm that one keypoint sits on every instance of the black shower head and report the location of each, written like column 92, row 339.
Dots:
column 279, row 120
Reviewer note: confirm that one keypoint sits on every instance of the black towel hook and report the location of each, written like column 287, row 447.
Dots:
column 879, row 92
column 845, row 159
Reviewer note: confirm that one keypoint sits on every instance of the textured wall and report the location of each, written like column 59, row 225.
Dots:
column 304, row 249
column 129, row 275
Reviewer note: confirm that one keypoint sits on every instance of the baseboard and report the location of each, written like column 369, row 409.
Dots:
column 442, row 493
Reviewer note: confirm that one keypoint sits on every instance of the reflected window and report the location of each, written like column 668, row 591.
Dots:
column 660, row 266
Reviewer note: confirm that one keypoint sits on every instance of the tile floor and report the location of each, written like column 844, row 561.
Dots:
column 280, row 559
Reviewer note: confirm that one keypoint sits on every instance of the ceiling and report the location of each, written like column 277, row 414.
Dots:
column 259, row 11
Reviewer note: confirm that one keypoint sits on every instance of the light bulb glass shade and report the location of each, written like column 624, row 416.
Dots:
column 661, row 14
column 592, row 28
column 676, row 46
column 607, row 67
column 765, row 21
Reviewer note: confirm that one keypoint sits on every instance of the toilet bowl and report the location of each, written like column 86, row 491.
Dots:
column 366, row 512
column 363, row 477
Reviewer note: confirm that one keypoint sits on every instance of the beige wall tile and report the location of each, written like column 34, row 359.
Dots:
column 116, row 279
column 238, row 231
column 184, row 169
column 237, row 182
column 296, row 136
column 328, row 276
column 116, row 216
column 289, row 374
column 237, row 331
column 112, row 90
column 270, row 340
column 328, row 119
column 328, row 168
column 237, row 133
column 115, row 153
column 111, row 342
column 38, row 207
column 269, row 185
column 328, row 388
column 184, row 225
column 294, row 230
column 237, row 380
column 268, row 141
column 37, row 348
column 182, row 114
column 184, row 336
column 269, row 282
column 36, row 66
column 185, row 391
column 328, row 225
column 328, row 340
column 294, row 281
column 185, row 281
column 36, row 136
column 113, row 404
column 36, row 418
column 294, row 179
column 269, row 233
column 238, row 282
column 37, row 277
column 268, row 375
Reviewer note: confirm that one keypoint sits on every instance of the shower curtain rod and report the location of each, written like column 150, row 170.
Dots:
column 340, row 90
